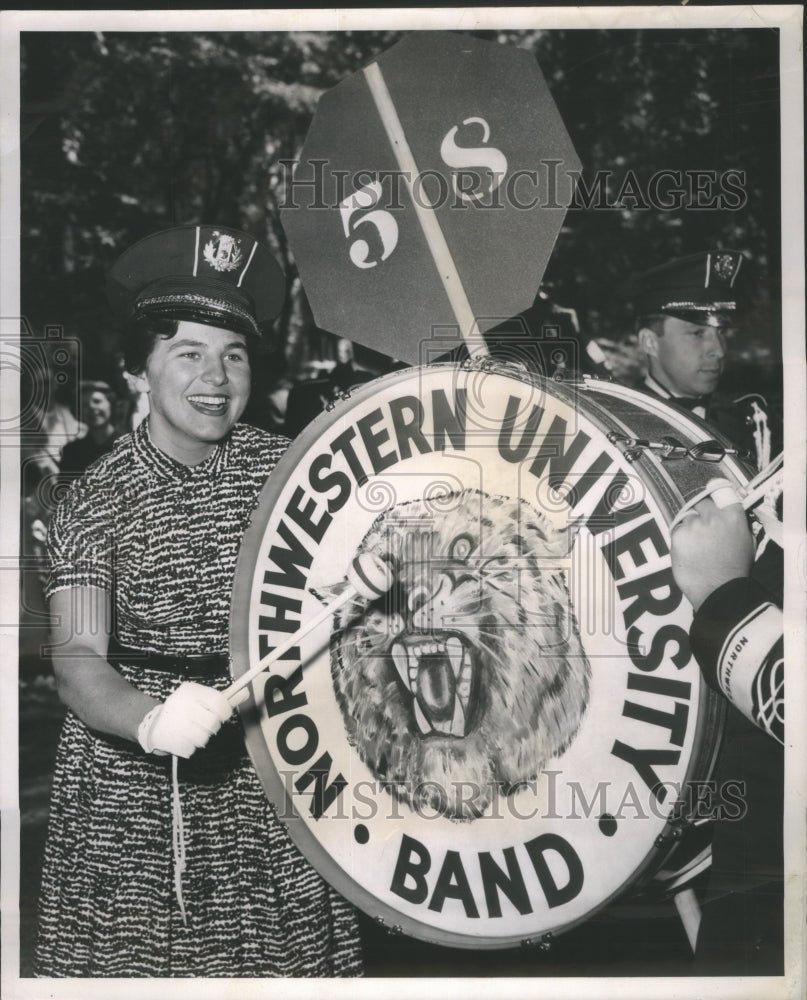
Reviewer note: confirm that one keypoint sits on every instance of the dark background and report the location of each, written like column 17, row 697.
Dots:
column 124, row 134
column 127, row 133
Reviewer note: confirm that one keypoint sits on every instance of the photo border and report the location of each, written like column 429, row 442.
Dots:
column 788, row 19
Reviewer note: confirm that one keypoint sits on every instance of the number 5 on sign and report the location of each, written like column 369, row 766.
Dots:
column 385, row 225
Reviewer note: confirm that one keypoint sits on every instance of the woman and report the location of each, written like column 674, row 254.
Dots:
column 143, row 550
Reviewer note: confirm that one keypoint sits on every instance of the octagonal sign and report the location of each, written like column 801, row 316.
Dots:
column 429, row 193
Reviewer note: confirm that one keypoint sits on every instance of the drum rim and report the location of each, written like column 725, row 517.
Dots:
column 312, row 849
column 712, row 709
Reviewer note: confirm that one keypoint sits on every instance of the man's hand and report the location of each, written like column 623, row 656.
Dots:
column 710, row 546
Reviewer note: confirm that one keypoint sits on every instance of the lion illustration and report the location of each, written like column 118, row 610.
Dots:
column 469, row 675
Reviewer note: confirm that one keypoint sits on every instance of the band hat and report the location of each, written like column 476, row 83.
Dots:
column 207, row 274
column 705, row 288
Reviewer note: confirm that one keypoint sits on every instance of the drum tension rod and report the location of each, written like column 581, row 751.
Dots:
column 338, row 397
column 670, row 448
column 667, row 448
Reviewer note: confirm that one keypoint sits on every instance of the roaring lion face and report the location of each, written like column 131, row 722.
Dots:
column 469, row 675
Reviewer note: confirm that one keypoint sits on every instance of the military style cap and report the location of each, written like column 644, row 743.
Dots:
column 704, row 288
column 208, row 274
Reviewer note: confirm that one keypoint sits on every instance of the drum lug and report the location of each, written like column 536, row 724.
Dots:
column 544, row 943
column 674, row 832
column 338, row 397
column 631, row 452
column 484, row 363
column 391, row 929
column 572, row 381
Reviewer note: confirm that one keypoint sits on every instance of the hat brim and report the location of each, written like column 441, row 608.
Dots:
column 723, row 314
column 204, row 301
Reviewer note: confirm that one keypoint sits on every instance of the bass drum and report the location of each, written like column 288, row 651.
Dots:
column 506, row 741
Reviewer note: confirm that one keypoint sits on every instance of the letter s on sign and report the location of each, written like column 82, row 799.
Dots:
column 385, row 224
column 466, row 157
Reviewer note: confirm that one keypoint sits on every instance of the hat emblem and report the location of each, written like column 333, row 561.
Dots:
column 223, row 252
column 724, row 266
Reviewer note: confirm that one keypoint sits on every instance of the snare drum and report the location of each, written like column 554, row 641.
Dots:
column 504, row 742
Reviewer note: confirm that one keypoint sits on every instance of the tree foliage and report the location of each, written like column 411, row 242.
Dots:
column 127, row 133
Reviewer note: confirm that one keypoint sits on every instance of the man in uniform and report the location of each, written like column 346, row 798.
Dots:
column 686, row 312
column 685, row 315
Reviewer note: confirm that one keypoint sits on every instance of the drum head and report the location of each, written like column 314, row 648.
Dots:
column 496, row 748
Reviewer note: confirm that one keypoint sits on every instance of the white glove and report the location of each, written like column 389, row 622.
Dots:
column 185, row 721
column 710, row 546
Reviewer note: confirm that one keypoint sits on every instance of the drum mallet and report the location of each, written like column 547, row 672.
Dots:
column 368, row 577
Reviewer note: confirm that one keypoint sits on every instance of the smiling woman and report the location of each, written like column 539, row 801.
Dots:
column 142, row 556
column 198, row 383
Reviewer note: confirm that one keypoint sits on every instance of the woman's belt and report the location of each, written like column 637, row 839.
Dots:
column 226, row 749
column 205, row 665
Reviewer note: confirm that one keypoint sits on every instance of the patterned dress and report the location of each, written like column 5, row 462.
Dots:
column 162, row 538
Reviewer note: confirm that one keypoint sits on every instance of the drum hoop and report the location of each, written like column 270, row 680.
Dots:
column 712, row 708
column 711, row 711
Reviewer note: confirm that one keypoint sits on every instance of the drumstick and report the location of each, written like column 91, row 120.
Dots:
column 757, row 487
column 368, row 576
column 768, row 471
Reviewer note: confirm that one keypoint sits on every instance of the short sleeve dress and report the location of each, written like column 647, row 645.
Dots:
column 162, row 538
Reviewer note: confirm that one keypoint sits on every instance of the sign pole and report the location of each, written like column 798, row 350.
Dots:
column 433, row 234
